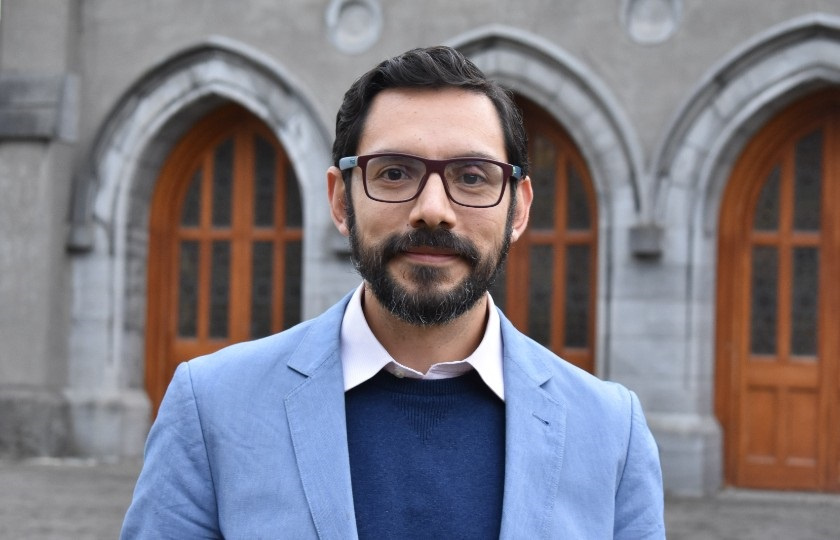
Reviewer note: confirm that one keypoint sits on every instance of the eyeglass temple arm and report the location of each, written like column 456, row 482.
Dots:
column 348, row 162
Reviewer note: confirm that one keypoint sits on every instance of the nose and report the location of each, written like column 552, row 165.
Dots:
column 432, row 208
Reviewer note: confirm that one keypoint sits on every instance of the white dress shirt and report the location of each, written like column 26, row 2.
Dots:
column 362, row 356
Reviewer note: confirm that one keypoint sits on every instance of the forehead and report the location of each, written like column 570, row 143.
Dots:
column 433, row 123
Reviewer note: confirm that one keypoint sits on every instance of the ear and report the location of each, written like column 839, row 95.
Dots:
column 524, row 197
column 336, row 194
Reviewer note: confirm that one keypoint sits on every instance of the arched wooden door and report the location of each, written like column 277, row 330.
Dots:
column 778, row 304
column 549, row 287
column 225, row 244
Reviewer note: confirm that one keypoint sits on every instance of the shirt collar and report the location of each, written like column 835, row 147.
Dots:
column 362, row 356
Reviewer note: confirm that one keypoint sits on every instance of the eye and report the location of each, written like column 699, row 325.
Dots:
column 469, row 175
column 472, row 179
column 394, row 170
column 392, row 174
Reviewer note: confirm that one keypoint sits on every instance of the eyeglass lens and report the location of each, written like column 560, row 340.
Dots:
column 472, row 182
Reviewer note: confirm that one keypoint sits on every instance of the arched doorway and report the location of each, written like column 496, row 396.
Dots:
column 778, row 303
column 549, row 287
column 225, row 244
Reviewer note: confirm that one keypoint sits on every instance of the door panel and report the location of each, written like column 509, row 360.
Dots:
column 548, row 289
column 777, row 343
column 225, row 244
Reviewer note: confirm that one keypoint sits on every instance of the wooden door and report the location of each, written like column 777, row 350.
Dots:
column 548, row 290
column 225, row 244
column 779, row 304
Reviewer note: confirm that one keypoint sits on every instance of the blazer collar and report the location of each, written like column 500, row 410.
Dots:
column 320, row 341
column 317, row 424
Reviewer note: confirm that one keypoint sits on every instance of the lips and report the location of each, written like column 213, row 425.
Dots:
column 426, row 250
column 429, row 256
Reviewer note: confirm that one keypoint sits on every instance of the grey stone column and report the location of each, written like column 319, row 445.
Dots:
column 38, row 125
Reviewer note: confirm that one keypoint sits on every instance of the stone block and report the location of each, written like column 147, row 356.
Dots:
column 647, row 360
column 646, row 240
column 549, row 77
column 823, row 52
column 170, row 91
column 623, row 211
column 666, row 396
column 684, row 168
column 33, row 423
column 89, row 347
column 615, row 168
column 507, row 62
column 575, row 100
column 216, row 71
column 38, row 106
column 650, row 281
column 706, row 127
column 677, row 202
column 691, row 452
column 108, row 425
column 92, row 281
column 649, row 318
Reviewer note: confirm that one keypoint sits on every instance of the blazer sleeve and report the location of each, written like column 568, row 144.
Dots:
column 639, row 504
column 174, row 496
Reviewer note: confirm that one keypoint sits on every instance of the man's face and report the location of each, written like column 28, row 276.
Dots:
column 430, row 260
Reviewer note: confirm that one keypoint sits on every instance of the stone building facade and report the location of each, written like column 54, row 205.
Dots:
column 681, row 119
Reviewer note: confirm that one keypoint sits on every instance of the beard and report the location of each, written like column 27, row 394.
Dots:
column 426, row 304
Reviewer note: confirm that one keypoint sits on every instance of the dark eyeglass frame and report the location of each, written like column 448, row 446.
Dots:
column 438, row 166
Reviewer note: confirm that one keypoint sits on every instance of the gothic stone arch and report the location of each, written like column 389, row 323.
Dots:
column 584, row 106
column 109, row 237
column 690, row 170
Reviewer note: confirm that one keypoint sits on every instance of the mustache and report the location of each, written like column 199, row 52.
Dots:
column 430, row 238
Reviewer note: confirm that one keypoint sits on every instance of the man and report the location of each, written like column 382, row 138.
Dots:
column 412, row 408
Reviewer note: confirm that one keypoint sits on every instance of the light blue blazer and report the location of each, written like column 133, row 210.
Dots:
column 250, row 442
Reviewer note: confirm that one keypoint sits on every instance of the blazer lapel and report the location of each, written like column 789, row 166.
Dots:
column 535, row 437
column 315, row 412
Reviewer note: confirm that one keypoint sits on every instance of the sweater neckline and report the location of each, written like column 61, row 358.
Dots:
column 468, row 382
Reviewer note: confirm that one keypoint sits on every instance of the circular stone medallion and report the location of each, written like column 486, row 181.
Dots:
column 353, row 26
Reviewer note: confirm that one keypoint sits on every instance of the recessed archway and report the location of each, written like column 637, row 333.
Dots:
column 694, row 162
column 109, row 231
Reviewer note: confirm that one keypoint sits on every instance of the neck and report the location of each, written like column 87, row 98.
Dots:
column 420, row 347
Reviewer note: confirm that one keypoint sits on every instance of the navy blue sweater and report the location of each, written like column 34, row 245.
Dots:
column 426, row 457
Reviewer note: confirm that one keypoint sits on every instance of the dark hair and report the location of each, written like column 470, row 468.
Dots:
column 433, row 67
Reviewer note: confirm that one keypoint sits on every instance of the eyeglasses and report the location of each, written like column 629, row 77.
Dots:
column 395, row 178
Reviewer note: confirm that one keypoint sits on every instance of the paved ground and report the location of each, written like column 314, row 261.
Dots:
column 81, row 500
column 64, row 499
